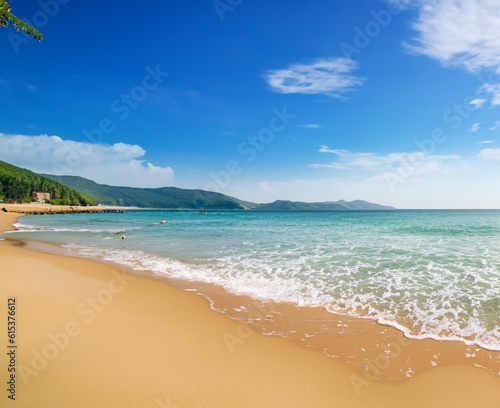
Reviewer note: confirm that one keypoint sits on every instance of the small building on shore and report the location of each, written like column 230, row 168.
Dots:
column 40, row 197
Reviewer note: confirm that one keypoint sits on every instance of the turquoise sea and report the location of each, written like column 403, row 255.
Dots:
column 431, row 274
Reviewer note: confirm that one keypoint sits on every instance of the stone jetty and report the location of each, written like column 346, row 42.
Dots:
column 41, row 209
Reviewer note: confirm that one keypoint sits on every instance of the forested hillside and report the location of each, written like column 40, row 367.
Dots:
column 165, row 197
column 19, row 184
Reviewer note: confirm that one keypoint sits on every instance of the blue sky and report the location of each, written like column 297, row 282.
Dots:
column 395, row 102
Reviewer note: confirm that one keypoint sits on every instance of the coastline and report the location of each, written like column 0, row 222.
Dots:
column 359, row 342
column 42, row 209
column 149, row 335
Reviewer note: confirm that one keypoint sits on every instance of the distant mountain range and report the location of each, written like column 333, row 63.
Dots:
column 324, row 206
column 173, row 197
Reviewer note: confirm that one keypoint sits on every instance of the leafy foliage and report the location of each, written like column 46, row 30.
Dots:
column 7, row 18
column 19, row 184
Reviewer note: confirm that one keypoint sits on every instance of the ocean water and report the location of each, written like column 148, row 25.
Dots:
column 431, row 274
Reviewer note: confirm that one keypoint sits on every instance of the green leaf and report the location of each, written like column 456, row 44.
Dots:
column 7, row 18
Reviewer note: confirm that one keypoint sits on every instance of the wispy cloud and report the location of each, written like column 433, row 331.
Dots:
column 478, row 103
column 475, row 127
column 494, row 91
column 486, row 142
column 490, row 154
column 461, row 33
column 404, row 180
column 329, row 76
column 495, row 126
column 117, row 164
column 382, row 165
column 311, row 126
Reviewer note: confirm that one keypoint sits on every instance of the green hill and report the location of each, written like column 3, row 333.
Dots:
column 165, row 197
column 19, row 184
column 281, row 205
column 173, row 197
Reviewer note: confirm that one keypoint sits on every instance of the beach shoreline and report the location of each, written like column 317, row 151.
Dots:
column 171, row 344
column 334, row 334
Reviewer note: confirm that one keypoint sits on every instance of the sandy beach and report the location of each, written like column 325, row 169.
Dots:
column 90, row 335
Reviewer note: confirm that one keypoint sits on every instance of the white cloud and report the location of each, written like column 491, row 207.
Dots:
column 490, row 154
column 265, row 185
column 382, row 166
column 331, row 76
column 117, row 164
column 494, row 91
column 475, row 127
column 486, row 142
column 431, row 182
column 432, row 191
column 495, row 126
column 460, row 33
column 478, row 103
column 311, row 126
